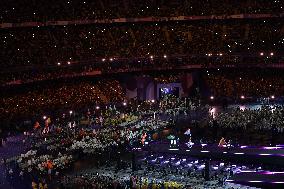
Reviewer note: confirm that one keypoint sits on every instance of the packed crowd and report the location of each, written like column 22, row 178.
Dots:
column 253, row 83
column 40, row 53
column 68, row 10
column 23, row 76
column 266, row 118
column 168, row 78
column 242, row 85
column 61, row 97
column 156, row 172
column 54, row 147
column 62, row 140
column 53, row 52
column 94, row 181
column 59, row 143
column 53, row 45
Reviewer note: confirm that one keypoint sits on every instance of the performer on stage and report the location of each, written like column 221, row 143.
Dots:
column 143, row 138
column 222, row 142
column 188, row 132
column 189, row 143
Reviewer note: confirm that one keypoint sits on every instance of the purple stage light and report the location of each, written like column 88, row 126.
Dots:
column 248, row 171
column 271, row 148
column 229, row 180
column 173, row 149
column 239, row 153
column 205, row 151
column 215, row 168
column 272, row 173
column 265, row 154
column 278, row 172
column 177, row 163
column 154, row 160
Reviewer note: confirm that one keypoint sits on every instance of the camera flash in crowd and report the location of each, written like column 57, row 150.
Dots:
column 272, row 96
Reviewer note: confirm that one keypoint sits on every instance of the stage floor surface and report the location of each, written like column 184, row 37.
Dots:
column 268, row 156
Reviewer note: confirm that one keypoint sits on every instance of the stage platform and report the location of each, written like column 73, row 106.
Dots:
column 259, row 179
column 273, row 156
column 268, row 157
